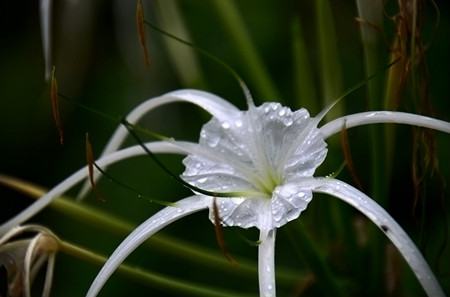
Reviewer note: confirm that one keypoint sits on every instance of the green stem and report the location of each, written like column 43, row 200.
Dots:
column 147, row 277
column 307, row 251
column 330, row 68
column 371, row 13
column 234, row 25
column 303, row 78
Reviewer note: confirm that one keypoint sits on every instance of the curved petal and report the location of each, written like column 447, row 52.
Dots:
column 379, row 117
column 38, row 205
column 144, row 231
column 266, row 263
column 213, row 104
column 385, row 222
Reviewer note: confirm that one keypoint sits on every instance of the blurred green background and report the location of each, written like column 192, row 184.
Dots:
column 301, row 53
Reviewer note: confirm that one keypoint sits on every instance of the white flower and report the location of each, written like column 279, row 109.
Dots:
column 268, row 155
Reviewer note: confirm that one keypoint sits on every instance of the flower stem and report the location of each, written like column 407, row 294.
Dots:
column 147, row 277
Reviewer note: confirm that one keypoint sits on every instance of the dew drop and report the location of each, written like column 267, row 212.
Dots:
column 212, row 141
column 288, row 122
column 238, row 123
column 202, row 180
column 225, row 125
column 282, row 112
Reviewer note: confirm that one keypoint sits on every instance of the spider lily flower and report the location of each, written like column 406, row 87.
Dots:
column 24, row 258
column 269, row 155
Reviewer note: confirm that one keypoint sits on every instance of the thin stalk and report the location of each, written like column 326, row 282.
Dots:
column 246, row 51
column 307, row 251
column 147, row 277
column 371, row 13
column 184, row 59
column 168, row 244
column 305, row 93
column 330, row 68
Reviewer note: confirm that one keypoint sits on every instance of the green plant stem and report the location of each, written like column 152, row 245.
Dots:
column 330, row 68
column 370, row 13
column 154, row 279
column 246, row 51
column 308, row 252
column 305, row 93
column 163, row 243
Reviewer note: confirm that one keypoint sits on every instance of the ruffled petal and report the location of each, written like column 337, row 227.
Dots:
column 143, row 232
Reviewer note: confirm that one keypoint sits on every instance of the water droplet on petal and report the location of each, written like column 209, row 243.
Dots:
column 202, row 180
column 225, row 125
column 212, row 141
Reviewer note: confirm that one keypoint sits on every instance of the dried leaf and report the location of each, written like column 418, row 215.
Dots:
column 55, row 106
column 90, row 160
column 348, row 157
column 219, row 233
column 141, row 31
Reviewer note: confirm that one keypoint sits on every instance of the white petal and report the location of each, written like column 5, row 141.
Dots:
column 377, row 117
column 385, row 222
column 49, row 275
column 266, row 263
column 215, row 105
column 37, row 206
column 144, row 231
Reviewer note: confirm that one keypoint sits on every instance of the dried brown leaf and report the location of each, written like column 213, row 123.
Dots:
column 55, row 106
column 141, row 31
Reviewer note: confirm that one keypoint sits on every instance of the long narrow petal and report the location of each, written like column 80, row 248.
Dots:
column 46, row 7
column 386, row 223
column 213, row 104
column 144, row 231
column 38, row 205
column 379, row 117
column 266, row 263
column 49, row 275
